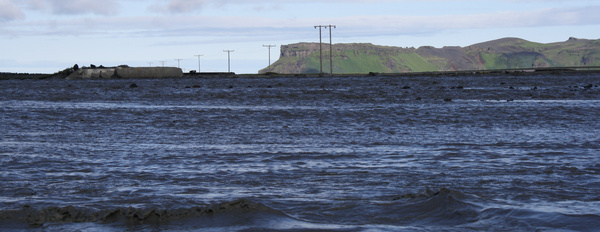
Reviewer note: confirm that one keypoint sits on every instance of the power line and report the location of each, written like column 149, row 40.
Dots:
column 269, row 46
column 198, row 61
column 228, row 59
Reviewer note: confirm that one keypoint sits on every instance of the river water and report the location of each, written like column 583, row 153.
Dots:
column 464, row 153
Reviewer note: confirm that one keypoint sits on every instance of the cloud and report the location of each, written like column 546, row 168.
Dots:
column 10, row 11
column 76, row 7
column 178, row 6
column 189, row 6
column 226, row 26
column 401, row 25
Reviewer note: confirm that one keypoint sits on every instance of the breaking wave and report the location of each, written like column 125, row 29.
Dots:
column 425, row 211
column 237, row 213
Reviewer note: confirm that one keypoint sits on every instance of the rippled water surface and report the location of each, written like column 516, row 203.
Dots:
column 341, row 154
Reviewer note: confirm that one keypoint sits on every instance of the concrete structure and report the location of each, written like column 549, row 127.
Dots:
column 126, row 73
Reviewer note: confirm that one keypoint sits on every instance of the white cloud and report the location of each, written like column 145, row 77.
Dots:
column 10, row 11
column 292, row 27
column 351, row 26
column 178, row 6
column 189, row 6
column 76, row 7
column 391, row 24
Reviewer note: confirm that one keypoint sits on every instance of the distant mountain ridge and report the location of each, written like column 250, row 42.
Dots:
column 505, row 53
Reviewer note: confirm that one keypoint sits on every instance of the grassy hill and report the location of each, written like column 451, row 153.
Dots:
column 506, row 53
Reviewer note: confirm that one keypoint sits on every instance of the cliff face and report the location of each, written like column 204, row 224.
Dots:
column 504, row 53
column 301, row 50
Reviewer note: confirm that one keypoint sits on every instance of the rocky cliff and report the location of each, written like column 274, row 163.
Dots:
column 506, row 53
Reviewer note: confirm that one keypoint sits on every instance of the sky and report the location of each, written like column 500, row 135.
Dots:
column 46, row 36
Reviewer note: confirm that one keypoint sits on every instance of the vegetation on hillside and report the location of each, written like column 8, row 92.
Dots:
column 506, row 53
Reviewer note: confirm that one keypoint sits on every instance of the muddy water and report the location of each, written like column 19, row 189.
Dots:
column 343, row 154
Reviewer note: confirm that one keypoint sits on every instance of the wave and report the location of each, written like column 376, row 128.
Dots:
column 236, row 215
column 444, row 209
column 130, row 215
column 510, row 218
column 447, row 208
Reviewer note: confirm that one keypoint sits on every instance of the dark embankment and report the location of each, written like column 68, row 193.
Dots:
column 9, row 76
column 498, row 72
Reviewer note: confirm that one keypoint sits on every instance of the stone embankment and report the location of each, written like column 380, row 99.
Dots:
column 126, row 73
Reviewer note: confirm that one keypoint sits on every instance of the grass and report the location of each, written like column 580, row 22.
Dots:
column 415, row 63
column 508, row 53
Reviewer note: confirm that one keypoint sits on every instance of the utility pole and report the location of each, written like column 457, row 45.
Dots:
column 150, row 63
column 330, row 50
column 269, row 46
column 178, row 62
column 163, row 63
column 228, row 59
column 198, row 61
column 320, row 48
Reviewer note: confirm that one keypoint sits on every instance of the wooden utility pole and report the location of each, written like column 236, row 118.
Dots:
column 178, row 62
column 269, row 46
column 198, row 61
column 320, row 48
column 330, row 47
column 228, row 59
column 330, row 50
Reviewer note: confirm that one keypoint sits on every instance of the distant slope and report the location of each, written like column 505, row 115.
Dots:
column 505, row 53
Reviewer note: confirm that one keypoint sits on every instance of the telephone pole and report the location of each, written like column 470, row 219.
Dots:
column 163, row 63
column 178, row 62
column 198, row 61
column 228, row 59
column 150, row 63
column 330, row 50
column 320, row 48
column 269, row 46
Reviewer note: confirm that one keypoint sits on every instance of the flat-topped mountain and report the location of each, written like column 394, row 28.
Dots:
column 505, row 53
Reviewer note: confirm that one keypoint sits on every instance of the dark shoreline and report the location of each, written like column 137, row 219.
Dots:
column 495, row 72
column 22, row 76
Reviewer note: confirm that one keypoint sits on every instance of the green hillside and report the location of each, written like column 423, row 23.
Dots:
column 506, row 53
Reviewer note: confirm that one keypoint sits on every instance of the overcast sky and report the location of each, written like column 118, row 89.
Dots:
column 50, row 35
